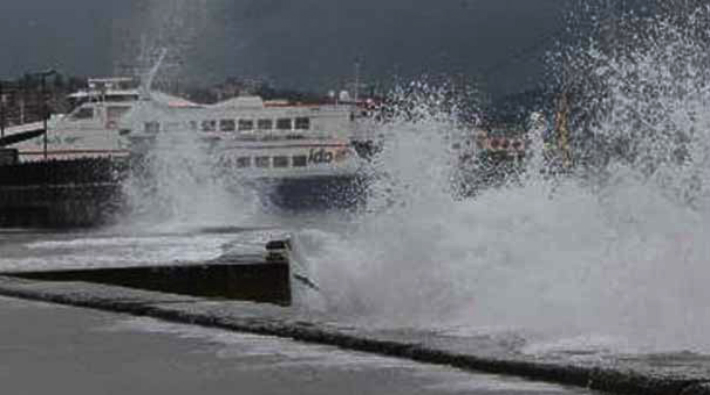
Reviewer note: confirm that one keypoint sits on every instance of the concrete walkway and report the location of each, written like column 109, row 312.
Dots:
column 669, row 375
column 49, row 349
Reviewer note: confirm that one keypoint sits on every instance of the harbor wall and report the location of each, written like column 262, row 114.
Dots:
column 88, row 192
column 60, row 193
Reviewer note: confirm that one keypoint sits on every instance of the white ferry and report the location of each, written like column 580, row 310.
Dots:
column 114, row 118
column 303, row 153
column 306, row 149
column 91, row 129
column 256, row 138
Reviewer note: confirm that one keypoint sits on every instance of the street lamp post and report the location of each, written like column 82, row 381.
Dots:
column 45, row 166
column 44, row 114
column 45, row 109
column 2, row 109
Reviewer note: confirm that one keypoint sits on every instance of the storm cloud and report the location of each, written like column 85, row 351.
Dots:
column 304, row 44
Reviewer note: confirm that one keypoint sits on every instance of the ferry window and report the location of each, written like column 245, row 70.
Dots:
column 284, row 124
column 243, row 162
column 263, row 161
column 281, row 161
column 209, row 126
column 245, row 125
column 300, row 161
column 152, row 127
column 227, row 125
column 83, row 113
column 116, row 112
column 123, row 98
column 303, row 123
column 265, row 124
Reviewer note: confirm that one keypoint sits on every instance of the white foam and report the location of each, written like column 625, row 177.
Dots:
column 625, row 256
column 180, row 188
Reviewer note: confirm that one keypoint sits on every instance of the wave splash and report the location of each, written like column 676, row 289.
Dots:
column 617, row 248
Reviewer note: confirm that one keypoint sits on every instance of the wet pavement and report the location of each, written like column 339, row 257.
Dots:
column 35, row 251
column 51, row 349
column 579, row 361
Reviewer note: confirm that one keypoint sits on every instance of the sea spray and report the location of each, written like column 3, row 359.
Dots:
column 620, row 251
column 178, row 183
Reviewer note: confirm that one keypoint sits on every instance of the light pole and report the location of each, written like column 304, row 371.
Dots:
column 45, row 110
column 3, row 105
column 2, row 110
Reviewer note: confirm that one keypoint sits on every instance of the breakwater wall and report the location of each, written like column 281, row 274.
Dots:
column 60, row 193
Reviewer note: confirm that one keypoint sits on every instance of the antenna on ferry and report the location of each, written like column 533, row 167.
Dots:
column 357, row 80
column 148, row 78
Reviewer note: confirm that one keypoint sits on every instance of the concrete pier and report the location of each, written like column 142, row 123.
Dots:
column 263, row 282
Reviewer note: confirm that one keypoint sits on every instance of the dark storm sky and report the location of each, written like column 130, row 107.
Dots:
column 320, row 39
column 72, row 35
column 301, row 43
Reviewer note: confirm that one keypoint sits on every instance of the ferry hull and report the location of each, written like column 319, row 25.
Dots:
column 90, row 192
column 325, row 192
